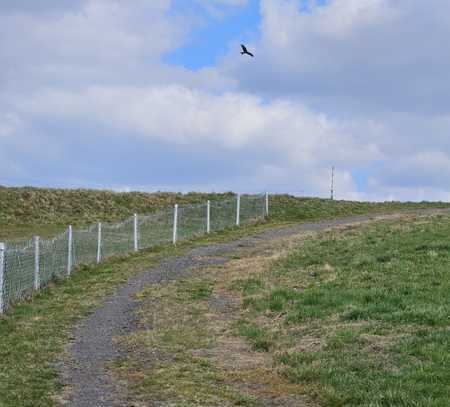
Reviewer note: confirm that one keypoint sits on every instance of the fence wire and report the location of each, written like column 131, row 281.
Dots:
column 155, row 229
column 223, row 214
column 30, row 265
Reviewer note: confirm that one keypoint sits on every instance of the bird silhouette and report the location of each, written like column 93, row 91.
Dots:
column 244, row 51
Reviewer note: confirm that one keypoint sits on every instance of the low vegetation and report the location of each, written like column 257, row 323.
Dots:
column 34, row 333
column 351, row 317
column 357, row 316
column 45, row 212
column 287, row 208
column 360, row 317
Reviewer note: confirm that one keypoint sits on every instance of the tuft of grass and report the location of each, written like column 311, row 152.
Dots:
column 259, row 337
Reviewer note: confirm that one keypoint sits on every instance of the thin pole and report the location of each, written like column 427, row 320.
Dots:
column 99, row 243
column 208, row 217
column 332, row 182
column 238, row 209
column 69, row 251
column 2, row 277
column 267, row 204
column 175, row 220
column 37, row 280
column 136, row 242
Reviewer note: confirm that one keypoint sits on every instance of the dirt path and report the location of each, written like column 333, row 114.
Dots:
column 84, row 369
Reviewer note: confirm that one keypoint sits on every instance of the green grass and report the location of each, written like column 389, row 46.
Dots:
column 45, row 212
column 33, row 334
column 286, row 208
column 179, row 373
column 376, row 300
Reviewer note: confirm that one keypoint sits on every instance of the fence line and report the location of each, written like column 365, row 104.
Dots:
column 30, row 265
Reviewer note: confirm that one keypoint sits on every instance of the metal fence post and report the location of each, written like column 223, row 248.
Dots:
column 136, row 240
column 175, row 220
column 37, row 278
column 208, row 217
column 69, row 251
column 238, row 209
column 2, row 277
column 267, row 204
column 99, row 242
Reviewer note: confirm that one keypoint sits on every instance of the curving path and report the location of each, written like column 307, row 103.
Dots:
column 84, row 370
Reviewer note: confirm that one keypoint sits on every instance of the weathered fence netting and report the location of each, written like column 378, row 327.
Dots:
column 29, row 265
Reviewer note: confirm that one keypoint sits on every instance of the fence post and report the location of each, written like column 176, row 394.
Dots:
column 136, row 240
column 267, row 204
column 175, row 220
column 99, row 242
column 69, row 251
column 37, row 278
column 208, row 217
column 2, row 277
column 238, row 209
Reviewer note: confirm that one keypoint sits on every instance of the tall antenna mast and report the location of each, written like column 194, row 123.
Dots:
column 332, row 182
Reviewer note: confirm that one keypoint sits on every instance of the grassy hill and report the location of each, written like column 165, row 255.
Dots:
column 356, row 316
column 27, row 211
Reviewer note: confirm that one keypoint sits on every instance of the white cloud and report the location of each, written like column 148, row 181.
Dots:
column 231, row 120
column 364, row 55
column 296, row 146
column 355, row 83
column 102, row 42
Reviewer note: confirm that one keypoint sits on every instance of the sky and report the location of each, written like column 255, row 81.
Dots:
column 154, row 95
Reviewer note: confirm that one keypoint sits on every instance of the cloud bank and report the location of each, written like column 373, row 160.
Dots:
column 350, row 83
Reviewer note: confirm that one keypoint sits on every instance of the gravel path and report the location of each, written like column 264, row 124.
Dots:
column 84, row 371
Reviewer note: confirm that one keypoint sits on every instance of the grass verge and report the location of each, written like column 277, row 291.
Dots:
column 33, row 333
column 46, row 212
column 355, row 316
column 360, row 317
column 365, row 309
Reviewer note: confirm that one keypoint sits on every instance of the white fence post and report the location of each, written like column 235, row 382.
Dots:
column 2, row 277
column 37, row 278
column 238, row 209
column 208, row 217
column 69, row 251
column 99, row 242
column 175, row 220
column 267, row 204
column 136, row 239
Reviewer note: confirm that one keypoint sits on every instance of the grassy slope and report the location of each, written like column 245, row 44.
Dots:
column 27, row 211
column 352, row 317
column 46, row 212
column 32, row 334
column 286, row 208
column 360, row 317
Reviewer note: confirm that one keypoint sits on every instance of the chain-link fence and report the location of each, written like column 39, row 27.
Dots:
column 30, row 265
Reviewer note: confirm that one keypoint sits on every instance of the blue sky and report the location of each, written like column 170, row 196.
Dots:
column 208, row 42
column 154, row 95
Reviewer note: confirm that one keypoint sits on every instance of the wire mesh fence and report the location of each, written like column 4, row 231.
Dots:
column 29, row 265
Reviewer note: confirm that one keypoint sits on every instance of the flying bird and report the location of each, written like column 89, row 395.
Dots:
column 244, row 51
